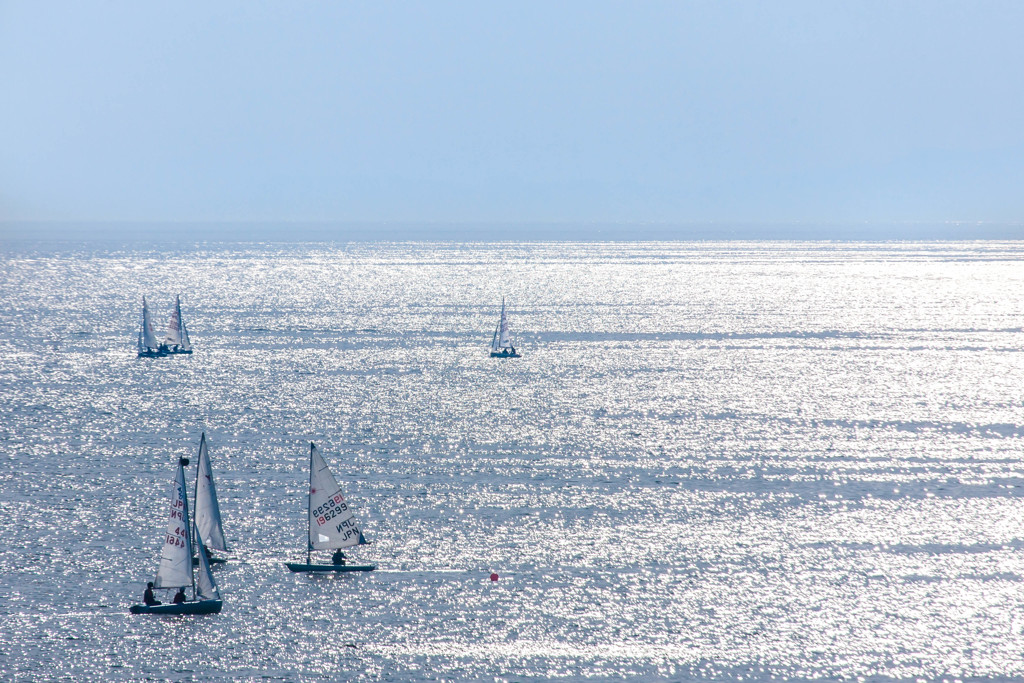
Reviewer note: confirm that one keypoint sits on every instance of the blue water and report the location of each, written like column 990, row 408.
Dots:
column 773, row 460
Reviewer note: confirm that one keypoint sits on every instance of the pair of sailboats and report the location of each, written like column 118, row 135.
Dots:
column 186, row 542
column 331, row 526
column 176, row 340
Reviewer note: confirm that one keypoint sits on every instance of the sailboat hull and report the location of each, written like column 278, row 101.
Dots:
column 165, row 350
column 502, row 354
column 151, row 353
column 181, row 608
column 336, row 568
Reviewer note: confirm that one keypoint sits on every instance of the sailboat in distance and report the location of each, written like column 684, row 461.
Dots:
column 148, row 346
column 332, row 526
column 501, row 344
column 209, row 528
column 177, row 340
column 176, row 561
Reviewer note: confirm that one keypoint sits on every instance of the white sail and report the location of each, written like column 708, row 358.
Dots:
column 504, row 340
column 173, row 337
column 148, row 338
column 176, row 556
column 494, row 340
column 209, row 529
column 207, row 586
column 331, row 522
column 186, row 345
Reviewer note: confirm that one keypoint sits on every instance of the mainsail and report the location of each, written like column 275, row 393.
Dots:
column 331, row 522
column 209, row 530
column 176, row 556
column 173, row 337
column 148, row 339
column 502, row 339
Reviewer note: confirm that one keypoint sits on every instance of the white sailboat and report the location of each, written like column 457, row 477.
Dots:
column 209, row 528
column 148, row 346
column 332, row 525
column 176, row 561
column 501, row 344
column 177, row 340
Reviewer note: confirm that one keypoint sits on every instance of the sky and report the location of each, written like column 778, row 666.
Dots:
column 654, row 113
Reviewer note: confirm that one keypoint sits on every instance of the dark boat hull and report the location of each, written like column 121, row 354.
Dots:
column 150, row 353
column 182, row 608
column 165, row 350
column 505, row 355
column 302, row 567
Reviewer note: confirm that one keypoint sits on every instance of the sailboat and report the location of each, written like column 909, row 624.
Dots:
column 148, row 347
column 177, row 340
column 176, row 561
column 331, row 523
column 501, row 344
column 209, row 530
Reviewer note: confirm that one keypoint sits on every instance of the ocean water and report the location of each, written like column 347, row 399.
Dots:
column 716, row 460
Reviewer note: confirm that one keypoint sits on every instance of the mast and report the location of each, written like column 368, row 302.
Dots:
column 309, row 508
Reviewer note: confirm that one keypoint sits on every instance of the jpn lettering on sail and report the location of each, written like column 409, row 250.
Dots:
column 176, row 556
column 331, row 522
column 208, row 523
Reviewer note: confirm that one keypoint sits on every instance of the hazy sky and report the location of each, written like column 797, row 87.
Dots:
column 574, row 111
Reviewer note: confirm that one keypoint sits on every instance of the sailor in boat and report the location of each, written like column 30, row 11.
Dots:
column 179, row 597
column 209, row 557
column 338, row 557
column 148, row 598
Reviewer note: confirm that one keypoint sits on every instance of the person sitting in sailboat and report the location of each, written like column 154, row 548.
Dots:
column 338, row 557
column 179, row 597
column 148, row 598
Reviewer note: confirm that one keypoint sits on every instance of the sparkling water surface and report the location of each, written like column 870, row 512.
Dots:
column 714, row 460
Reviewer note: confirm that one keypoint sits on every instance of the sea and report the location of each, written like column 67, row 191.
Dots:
column 715, row 460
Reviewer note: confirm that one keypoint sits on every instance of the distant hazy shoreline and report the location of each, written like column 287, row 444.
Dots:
column 283, row 231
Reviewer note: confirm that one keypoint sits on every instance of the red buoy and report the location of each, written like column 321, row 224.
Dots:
column 494, row 576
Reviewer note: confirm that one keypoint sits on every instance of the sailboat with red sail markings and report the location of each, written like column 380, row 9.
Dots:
column 332, row 524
